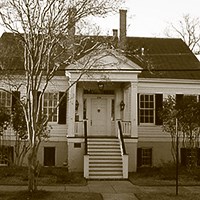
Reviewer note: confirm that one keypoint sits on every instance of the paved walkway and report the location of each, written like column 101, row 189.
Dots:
column 111, row 190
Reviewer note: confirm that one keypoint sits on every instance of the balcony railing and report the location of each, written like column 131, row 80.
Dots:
column 126, row 128
column 79, row 128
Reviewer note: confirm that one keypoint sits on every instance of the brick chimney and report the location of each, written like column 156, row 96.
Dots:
column 71, row 21
column 115, row 33
column 71, row 29
column 122, row 31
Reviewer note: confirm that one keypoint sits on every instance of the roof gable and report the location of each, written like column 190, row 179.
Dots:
column 103, row 59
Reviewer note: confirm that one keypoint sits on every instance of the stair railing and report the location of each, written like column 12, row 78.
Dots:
column 123, row 150
column 120, row 136
column 85, row 136
column 86, row 156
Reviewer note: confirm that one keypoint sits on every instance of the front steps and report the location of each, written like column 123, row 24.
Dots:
column 105, row 160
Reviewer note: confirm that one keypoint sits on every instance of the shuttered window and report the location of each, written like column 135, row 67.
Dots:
column 149, row 106
column 5, row 100
column 50, row 101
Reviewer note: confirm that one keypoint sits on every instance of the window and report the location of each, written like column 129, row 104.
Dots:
column 6, row 155
column 5, row 100
column 190, row 98
column 144, row 157
column 146, row 108
column 49, row 104
column 49, row 156
column 190, row 156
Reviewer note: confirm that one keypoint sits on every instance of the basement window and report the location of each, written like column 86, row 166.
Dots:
column 77, row 145
column 49, row 156
column 144, row 157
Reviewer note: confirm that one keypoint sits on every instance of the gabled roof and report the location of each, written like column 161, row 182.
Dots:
column 163, row 58
column 159, row 57
column 105, row 59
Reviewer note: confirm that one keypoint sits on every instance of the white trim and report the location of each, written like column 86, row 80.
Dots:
column 163, row 80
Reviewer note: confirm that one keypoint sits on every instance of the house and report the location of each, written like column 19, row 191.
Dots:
column 108, row 125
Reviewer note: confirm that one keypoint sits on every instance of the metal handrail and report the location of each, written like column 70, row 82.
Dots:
column 121, row 138
column 85, row 135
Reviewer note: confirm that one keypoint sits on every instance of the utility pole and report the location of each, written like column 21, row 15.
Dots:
column 177, row 156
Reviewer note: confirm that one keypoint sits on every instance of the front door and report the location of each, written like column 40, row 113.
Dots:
column 99, row 116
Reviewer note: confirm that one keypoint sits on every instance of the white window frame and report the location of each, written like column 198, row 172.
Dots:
column 48, row 107
column 153, row 109
column 5, row 100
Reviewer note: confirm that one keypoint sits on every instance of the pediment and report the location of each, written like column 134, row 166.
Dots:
column 103, row 59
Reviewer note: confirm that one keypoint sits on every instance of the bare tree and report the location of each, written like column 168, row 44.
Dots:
column 45, row 31
column 186, row 112
column 188, row 29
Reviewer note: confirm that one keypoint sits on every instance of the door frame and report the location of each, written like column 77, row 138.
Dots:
column 89, row 98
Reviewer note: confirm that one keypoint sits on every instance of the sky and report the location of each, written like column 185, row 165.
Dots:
column 149, row 18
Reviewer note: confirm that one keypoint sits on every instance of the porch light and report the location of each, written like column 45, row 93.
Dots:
column 122, row 105
column 77, row 105
column 101, row 86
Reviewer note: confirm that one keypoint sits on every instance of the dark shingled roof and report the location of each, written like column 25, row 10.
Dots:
column 163, row 58
column 159, row 57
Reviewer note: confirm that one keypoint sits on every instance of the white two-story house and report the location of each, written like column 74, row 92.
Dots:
column 108, row 124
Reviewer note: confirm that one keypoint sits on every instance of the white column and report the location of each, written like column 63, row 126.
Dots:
column 134, row 110
column 71, row 111
column 125, row 166
column 86, row 166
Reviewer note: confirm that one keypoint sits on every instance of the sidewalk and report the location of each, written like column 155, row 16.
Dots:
column 110, row 190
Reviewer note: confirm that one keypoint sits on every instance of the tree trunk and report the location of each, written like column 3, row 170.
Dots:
column 32, row 169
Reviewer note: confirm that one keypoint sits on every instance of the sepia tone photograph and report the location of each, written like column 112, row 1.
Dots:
column 99, row 100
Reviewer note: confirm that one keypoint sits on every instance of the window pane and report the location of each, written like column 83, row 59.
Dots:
column 146, row 108
column 141, row 97
column 141, row 104
column 50, row 102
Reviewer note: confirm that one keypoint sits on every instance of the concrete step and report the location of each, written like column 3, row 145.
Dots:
column 105, row 151
column 106, row 163
column 107, row 155
column 105, row 160
column 105, row 172
column 110, row 176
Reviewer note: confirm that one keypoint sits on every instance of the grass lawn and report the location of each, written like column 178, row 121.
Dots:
column 165, row 175
column 47, row 176
column 164, row 196
column 43, row 195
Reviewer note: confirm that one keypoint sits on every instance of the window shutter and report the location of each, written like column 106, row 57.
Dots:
column 151, row 157
column 15, row 97
column 158, row 107
column 183, row 156
column 139, row 157
column 138, row 104
column 198, row 156
column 179, row 98
column 62, row 109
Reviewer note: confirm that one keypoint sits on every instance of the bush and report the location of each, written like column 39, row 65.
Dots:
column 168, row 171
column 6, row 171
column 148, row 171
column 195, row 173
